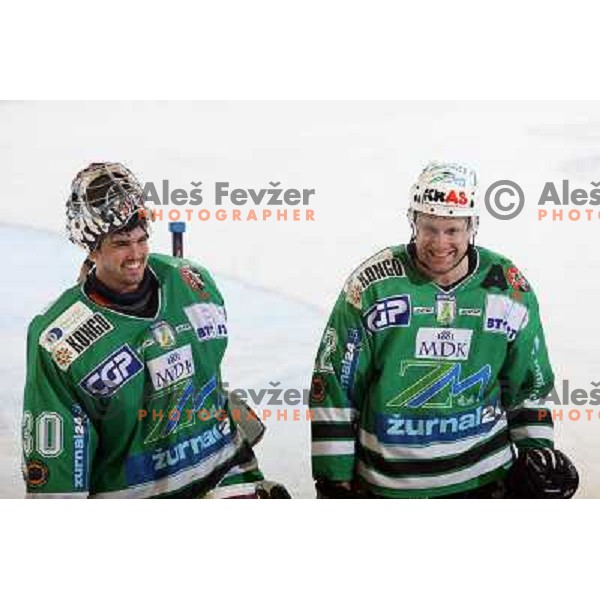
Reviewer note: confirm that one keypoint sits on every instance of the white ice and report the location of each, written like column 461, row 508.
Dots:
column 281, row 279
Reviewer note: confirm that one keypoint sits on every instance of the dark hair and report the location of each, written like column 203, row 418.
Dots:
column 137, row 220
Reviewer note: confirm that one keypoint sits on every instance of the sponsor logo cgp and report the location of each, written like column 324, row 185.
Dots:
column 112, row 373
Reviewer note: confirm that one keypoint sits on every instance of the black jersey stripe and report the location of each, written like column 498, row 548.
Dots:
column 333, row 431
column 433, row 466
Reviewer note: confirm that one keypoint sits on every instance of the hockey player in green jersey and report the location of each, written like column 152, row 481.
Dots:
column 123, row 396
column 429, row 373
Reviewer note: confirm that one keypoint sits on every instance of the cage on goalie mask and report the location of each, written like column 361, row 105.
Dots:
column 105, row 197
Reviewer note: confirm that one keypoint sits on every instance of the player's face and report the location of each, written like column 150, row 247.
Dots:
column 441, row 242
column 121, row 260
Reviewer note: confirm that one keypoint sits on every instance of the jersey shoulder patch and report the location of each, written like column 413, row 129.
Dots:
column 64, row 324
column 54, row 310
column 164, row 264
column 192, row 273
column 383, row 265
column 76, row 329
column 501, row 273
column 495, row 278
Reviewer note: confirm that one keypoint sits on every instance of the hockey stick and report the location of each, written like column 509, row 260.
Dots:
column 177, row 229
column 252, row 427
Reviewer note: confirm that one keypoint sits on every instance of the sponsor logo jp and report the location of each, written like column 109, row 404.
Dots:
column 389, row 312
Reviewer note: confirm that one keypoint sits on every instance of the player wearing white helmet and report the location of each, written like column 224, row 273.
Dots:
column 429, row 374
column 443, row 214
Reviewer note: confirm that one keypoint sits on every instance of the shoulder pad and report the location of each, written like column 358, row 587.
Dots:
column 495, row 278
column 382, row 265
column 503, row 274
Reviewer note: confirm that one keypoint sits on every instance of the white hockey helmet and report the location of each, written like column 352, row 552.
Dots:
column 105, row 197
column 445, row 190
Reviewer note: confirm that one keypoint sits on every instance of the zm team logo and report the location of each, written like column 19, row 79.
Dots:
column 389, row 312
column 446, row 405
column 441, row 385
column 112, row 374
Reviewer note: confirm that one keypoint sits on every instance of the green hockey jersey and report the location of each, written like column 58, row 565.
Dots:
column 420, row 391
column 120, row 406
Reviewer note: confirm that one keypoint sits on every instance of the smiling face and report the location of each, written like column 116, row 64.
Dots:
column 121, row 260
column 441, row 244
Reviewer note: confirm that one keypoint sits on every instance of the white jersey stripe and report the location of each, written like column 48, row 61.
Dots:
column 333, row 415
column 333, row 448
column 228, row 491
column 525, row 432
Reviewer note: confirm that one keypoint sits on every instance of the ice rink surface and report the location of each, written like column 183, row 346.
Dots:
column 280, row 279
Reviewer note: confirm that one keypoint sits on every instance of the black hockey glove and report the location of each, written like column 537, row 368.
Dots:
column 542, row 473
column 337, row 490
column 270, row 490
